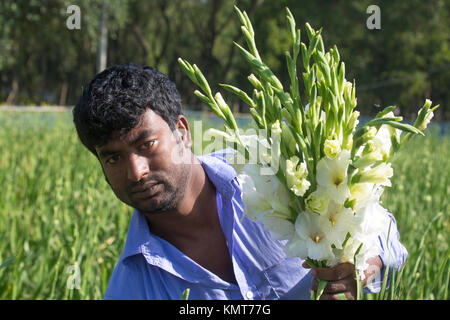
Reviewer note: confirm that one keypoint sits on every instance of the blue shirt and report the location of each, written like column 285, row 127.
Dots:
column 151, row 268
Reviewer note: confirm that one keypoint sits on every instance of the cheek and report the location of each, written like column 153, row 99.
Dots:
column 170, row 153
column 116, row 181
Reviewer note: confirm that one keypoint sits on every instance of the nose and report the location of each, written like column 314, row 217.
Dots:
column 137, row 168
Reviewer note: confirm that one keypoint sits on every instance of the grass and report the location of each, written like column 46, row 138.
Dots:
column 60, row 223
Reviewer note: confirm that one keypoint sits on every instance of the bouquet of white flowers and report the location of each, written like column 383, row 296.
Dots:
column 319, row 176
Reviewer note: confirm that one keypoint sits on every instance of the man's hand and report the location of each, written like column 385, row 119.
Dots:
column 342, row 278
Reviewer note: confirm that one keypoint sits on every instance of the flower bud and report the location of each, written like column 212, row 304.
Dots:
column 332, row 148
column 368, row 159
column 379, row 175
column 287, row 138
column 353, row 121
column 428, row 116
column 255, row 82
column 221, row 103
column 317, row 202
column 296, row 176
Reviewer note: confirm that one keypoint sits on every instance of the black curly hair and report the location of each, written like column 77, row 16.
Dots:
column 116, row 99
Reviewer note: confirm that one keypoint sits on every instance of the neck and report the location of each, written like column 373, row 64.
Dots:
column 193, row 215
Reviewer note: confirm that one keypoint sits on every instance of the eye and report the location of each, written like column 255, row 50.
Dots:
column 148, row 144
column 113, row 159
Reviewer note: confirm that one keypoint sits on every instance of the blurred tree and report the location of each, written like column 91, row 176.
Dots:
column 406, row 61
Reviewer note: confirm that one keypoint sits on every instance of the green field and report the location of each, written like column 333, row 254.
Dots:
column 60, row 222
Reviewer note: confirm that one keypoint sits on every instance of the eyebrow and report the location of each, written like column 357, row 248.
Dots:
column 144, row 134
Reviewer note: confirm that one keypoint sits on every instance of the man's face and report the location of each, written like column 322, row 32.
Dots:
column 149, row 167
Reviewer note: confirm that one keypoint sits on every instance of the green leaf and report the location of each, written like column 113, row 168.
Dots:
column 385, row 111
column 185, row 294
column 380, row 121
column 261, row 68
column 241, row 94
column 187, row 68
column 211, row 104
column 248, row 24
column 386, row 272
column 257, row 118
column 202, row 83
column 336, row 55
column 405, row 127
column 291, row 25
column 305, row 57
column 309, row 31
column 313, row 45
column 341, row 77
column 341, row 296
column 320, row 288
column 241, row 16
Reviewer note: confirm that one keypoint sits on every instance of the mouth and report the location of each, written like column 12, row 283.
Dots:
column 143, row 187
column 146, row 192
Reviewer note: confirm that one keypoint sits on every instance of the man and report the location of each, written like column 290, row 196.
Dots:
column 187, row 229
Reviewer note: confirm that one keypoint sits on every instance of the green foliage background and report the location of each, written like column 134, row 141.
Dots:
column 57, row 211
column 403, row 63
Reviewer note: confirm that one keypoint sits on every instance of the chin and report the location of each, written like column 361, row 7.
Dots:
column 157, row 205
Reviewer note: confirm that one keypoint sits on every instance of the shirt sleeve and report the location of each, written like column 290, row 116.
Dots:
column 126, row 282
column 392, row 253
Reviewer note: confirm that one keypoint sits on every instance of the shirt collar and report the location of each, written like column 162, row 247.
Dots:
column 218, row 171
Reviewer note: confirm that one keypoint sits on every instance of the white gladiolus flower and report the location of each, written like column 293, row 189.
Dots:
column 371, row 219
column 311, row 238
column 382, row 141
column 368, row 159
column 266, row 200
column 368, row 250
column 280, row 229
column 360, row 193
column 332, row 175
column 296, row 176
column 344, row 169
column 342, row 221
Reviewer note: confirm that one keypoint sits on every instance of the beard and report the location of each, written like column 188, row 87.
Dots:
column 171, row 190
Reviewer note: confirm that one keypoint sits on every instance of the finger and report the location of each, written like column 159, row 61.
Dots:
column 347, row 284
column 329, row 296
column 373, row 270
column 335, row 273
column 306, row 265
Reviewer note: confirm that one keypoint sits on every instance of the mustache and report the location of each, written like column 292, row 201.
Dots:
column 144, row 183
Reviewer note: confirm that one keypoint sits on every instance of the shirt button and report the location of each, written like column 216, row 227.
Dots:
column 249, row 295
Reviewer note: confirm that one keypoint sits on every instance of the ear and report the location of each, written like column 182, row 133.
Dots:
column 184, row 133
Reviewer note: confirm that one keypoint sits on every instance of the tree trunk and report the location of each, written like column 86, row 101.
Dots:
column 142, row 42
column 103, row 41
column 63, row 95
column 11, row 100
